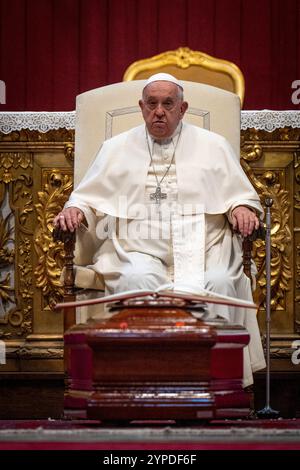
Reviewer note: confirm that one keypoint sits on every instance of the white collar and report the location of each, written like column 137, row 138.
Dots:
column 168, row 141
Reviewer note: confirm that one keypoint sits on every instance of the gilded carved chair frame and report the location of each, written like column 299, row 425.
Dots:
column 187, row 64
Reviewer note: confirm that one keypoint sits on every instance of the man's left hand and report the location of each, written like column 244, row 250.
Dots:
column 244, row 220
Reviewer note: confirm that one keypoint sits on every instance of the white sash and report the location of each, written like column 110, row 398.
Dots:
column 188, row 237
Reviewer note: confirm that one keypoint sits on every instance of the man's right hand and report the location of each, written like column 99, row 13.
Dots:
column 69, row 219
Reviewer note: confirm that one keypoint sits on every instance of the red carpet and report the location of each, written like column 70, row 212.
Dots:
column 282, row 434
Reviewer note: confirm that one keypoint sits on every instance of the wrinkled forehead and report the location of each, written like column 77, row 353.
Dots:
column 162, row 89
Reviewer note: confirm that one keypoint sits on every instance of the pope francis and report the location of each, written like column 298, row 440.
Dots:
column 166, row 203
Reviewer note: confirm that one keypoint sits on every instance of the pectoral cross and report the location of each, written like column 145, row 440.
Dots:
column 158, row 195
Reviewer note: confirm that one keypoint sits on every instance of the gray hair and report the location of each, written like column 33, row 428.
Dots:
column 180, row 94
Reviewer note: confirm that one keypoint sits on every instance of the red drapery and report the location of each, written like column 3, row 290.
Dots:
column 51, row 50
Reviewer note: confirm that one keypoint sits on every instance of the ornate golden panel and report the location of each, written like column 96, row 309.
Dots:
column 35, row 180
column 56, row 186
column 271, row 161
column 16, row 238
column 271, row 183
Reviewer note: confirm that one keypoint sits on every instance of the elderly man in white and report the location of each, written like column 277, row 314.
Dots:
column 182, row 197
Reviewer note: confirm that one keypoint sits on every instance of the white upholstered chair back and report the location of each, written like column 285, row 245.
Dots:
column 107, row 111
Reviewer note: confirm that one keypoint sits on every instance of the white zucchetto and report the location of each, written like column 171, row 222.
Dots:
column 165, row 77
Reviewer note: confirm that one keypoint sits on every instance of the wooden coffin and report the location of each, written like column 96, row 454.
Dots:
column 153, row 360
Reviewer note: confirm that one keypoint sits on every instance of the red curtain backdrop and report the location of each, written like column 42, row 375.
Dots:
column 52, row 50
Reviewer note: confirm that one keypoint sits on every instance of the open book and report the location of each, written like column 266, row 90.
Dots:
column 167, row 291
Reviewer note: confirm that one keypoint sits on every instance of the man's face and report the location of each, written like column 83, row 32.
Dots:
column 162, row 108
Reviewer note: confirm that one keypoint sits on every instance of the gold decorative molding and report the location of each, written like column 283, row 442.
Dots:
column 183, row 58
column 16, row 199
column 56, row 189
column 281, row 353
column 35, row 352
column 7, row 257
column 285, row 134
column 251, row 153
column 297, row 178
column 44, row 355
column 26, row 135
column 297, row 270
column 297, row 236
column 69, row 152
column 267, row 184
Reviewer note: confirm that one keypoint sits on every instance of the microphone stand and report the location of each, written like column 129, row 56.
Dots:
column 267, row 411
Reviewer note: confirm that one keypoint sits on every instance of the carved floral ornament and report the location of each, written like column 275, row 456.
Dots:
column 17, row 203
column 7, row 256
column 55, row 192
column 267, row 185
column 10, row 161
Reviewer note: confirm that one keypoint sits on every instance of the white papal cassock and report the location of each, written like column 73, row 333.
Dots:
column 135, row 243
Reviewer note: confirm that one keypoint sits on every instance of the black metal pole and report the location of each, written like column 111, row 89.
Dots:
column 267, row 411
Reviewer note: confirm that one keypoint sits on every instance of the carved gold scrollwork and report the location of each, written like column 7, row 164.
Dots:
column 279, row 135
column 253, row 134
column 184, row 57
column 6, row 260
column 288, row 134
column 27, row 135
column 298, row 268
column 251, row 153
column 297, row 264
column 297, row 178
column 56, row 190
column 267, row 184
column 16, row 231
column 6, row 253
column 69, row 152
column 34, row 352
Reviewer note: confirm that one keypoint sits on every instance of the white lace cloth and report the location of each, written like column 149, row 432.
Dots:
column 36, row 121
column 266, row 120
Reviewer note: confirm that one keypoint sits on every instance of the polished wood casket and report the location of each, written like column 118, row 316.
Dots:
column 154, row 360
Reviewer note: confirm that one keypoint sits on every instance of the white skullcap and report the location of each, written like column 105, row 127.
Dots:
column 165, row 77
